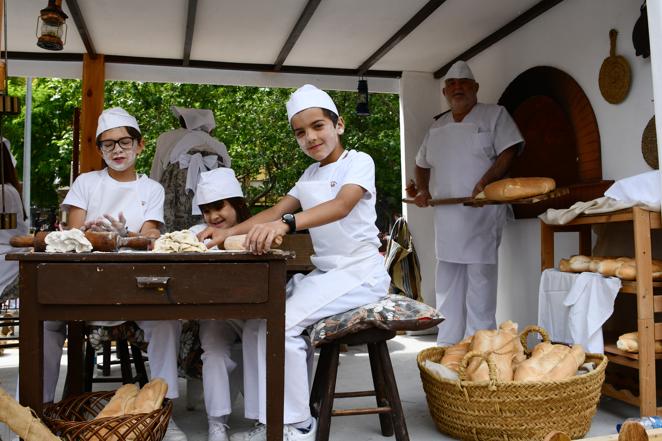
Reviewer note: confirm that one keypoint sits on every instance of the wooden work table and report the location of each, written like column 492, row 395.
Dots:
column 148, row 286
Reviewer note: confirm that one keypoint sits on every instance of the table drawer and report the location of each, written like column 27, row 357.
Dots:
column 136, row 283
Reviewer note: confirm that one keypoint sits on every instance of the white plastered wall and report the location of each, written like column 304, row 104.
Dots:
column 574, row 37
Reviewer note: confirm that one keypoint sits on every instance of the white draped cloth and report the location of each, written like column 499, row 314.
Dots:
column 573, row 307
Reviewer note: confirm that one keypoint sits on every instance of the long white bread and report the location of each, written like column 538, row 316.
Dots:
column 120, row 402
column 150, row 397
column 453, row 355
column 21, row 420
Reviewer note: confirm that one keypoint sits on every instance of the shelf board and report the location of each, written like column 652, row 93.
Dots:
column 630, row 286
column 630, row 359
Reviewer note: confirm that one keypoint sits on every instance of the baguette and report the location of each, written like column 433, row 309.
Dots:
column 568, row 366
column 120, row 402
column 497, row 344
column 630, row 343
column 564, row 266
column 518, row 188
column 453, row 355
column 150, row 397
column 579, row 263
column 608, row 267
column 550, row 362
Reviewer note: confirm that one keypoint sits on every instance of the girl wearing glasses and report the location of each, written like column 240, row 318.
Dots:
column 118, row 199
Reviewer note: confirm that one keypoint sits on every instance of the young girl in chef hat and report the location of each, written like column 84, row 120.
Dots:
column 336, row 196
column 222, row 204
column 118, row 199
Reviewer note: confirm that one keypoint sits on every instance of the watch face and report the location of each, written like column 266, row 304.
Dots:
column 288, row 217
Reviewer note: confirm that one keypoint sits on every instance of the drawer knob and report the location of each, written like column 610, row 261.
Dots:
column 158, row 283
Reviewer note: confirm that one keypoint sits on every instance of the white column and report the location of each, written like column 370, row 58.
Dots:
column 420, row 100
column 27, row 147
column 654, row 9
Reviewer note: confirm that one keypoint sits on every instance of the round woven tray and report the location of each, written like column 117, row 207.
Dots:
column 614, row 77
column 513, row 411
column 72, row 420
column 649, row 144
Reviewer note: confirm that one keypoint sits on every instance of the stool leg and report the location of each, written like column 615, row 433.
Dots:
column 125, row 361
column 328, row 392
column 105, row 366
column 90, row 364
column 385, row 420
column 319, row 380
column 399, row 424
column 139, row 364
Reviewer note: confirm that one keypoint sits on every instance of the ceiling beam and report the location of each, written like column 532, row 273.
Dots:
column 200, row 64
column 405, row 30
column 74, row 10
column 538, row 9
column 300, row 25
column 190, row 27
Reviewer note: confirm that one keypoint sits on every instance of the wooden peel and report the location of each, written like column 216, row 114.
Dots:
column 236, row 243
column 101, row 241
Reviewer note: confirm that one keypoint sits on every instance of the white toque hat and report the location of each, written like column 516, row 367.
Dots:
column 308, row 96
column 195, row 118
column 115, row 117
column 215, row 185
column 459, row 69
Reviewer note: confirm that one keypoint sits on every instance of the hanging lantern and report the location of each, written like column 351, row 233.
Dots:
column 362, row 100
column 51, row 27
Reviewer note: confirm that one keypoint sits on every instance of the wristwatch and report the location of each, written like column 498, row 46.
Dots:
column 290, row 220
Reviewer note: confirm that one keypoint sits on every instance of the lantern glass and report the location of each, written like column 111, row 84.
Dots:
column 362, row 99
column 52, row 29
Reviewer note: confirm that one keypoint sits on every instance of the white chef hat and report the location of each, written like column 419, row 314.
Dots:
column 308, row 96
column 459, row 69
column 11, row 156
column 115, row 117
column 202, row 119
column 217, row 184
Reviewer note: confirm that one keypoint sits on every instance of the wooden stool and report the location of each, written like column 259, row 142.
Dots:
column 389, row 408
column 125, row 359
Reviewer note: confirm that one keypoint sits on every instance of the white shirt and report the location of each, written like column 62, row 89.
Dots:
column 98, row 193
column 353, row 167
column 13, row 204
column 459, row 153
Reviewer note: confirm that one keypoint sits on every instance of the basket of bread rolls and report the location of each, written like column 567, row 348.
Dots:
column 490, row 386
column 128, row 414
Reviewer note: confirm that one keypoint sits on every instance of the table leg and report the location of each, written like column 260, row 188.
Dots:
column 31, row 343
column 275, row 377
column 74, row 384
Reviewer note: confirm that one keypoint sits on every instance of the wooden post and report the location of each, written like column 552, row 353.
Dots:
column 92, row 106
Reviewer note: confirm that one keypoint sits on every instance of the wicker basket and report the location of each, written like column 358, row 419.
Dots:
column 514, row 411
column 72, row 419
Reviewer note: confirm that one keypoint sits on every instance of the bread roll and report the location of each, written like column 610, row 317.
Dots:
column 579, row 263
column 630, row 343
column 120, row 402
column 453, row 355
column 150, row 396
column 518, row 188
column 564, row 266
column 236, row 243
column 550, row 362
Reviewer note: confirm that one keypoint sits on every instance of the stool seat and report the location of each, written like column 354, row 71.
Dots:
column 388, row 406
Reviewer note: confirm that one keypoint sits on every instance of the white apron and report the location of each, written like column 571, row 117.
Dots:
column 112, row 197
column 460, row 156
column 342, row 262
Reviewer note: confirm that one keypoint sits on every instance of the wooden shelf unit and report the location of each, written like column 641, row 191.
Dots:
column 644, row 288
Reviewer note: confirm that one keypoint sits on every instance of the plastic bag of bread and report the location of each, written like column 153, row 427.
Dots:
column 518, row 188
column 550, row 362
column 630, row 343
column 501, row 345
column 453, row 355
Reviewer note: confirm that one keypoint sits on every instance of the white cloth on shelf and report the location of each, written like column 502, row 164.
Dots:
column 573, row 307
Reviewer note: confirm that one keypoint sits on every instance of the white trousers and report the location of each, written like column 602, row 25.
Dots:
column 162, row 350
column 466, row 297
column 297, row 353
column 216, row 340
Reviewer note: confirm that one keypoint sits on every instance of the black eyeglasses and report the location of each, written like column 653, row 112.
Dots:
column 108, row 145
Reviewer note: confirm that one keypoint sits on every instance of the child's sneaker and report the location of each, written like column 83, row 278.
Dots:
column 257, row 433
column 290, row 433
column 174, row 433
column 217, row 431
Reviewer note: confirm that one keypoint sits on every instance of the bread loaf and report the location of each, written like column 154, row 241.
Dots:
column 608, row 267
column 568, row 366
column 150, row 396
column 120, row 402
column 500, row 346
column 518, row 188
column 628, row 270
column 564, row 266
column 453, row 355
column 550, row 362
column 579, row 263
column 630, row 343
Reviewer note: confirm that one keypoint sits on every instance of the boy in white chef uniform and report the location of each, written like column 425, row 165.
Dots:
column 337, row 198
column 118, row 199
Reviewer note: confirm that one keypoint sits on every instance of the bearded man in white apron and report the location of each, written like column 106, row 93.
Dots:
column 465, row 149
column 337, row 198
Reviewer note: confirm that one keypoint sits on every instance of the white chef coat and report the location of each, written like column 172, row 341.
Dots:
column 13, row 204
column 459, row 154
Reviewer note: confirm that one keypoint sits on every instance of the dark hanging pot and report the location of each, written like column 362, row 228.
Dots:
column 640, row 34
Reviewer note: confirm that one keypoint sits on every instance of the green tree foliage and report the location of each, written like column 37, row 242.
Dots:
column 251, row 121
